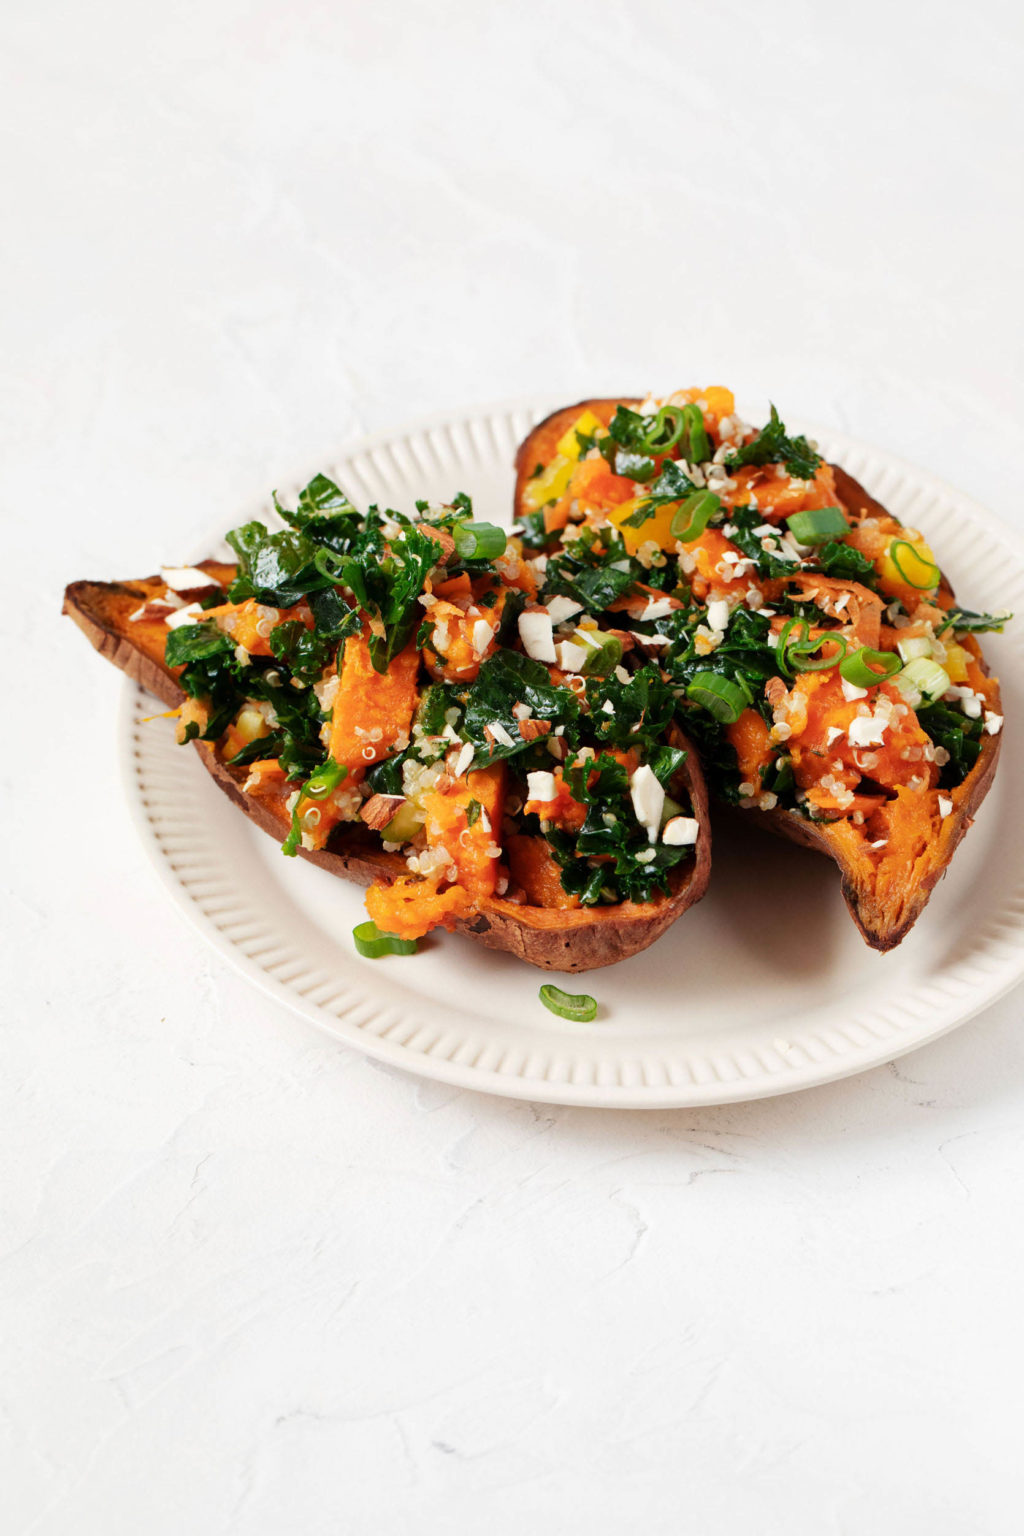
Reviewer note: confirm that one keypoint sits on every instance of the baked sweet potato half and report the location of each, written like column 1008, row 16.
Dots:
column 359, row 686
column 817, row 655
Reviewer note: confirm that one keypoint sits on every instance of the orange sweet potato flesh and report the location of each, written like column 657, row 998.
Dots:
column 550, row 938
column 885, row 890
column 370, row 702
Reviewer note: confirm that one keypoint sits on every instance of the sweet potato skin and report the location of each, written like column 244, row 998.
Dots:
column 882, row 929
column 555, row 940
column 538, row 447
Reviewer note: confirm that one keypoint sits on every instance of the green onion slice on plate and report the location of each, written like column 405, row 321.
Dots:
column 698, row 444
column 372, row 944
column 577, row 1006
column 693, row 515
column 818, row 525
column 479, row 541
column 797, row 655
column 927, row 676
column 325, row 780
column 666, row 430
column 865, row 667
column 720, row 696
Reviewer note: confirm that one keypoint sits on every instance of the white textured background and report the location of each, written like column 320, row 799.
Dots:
column 250, row 1282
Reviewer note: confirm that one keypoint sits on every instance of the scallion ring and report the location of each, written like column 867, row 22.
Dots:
column 698, row 443
column 325, row 780
column 782, row 649
column 373, row 945
column 720, row 696
column 692, row 516
column 330, row 564
column 798, row 655
column 670, row 417
column 926, row 567
column 577, row 1006
column 818, row 525
column 926, row 677
column 479, row 541
column 604, row 658
column 860, row 667
column 803, row 655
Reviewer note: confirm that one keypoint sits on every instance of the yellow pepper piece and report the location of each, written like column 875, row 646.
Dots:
column 720, row 401
column 656, row 529
column 956, row 663
column 917, row 567
column 550, row 484
column 567, row 446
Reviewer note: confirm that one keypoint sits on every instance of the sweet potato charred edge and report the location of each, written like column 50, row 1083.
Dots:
column 553, row 939
column 882, row 928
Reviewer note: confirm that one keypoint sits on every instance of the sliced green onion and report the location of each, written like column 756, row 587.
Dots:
column 372, row 944
column 803, row 659
column 719, row 695
column 603, row 658
column 798, row 655
column 783, row 647
column 577, row 1006
column 330, row 564
column 925, row 678
column 934, row 574
column 818, row 525
column 911, row 649
column 324, row 780
column 479, row 541
column 670, row 420
column 698, row 443
column 692, row 516
column 317, row 787
column 861, row 667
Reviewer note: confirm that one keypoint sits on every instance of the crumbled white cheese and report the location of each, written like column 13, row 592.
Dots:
column 483, row 634
column 190, row 615
column 681, row 831
column 851, row 692
column 866, row 731
column 500, row 734
column 648, row 799
column 562, row 608
column 536, row 633
column 657, row 608
column 541, row 786
column 945, row 806
column 832, row 734
column 718, row 614
column 993, row 722
column 464, row 759
column 572, row 657
column 970, row 702
column 186, row 578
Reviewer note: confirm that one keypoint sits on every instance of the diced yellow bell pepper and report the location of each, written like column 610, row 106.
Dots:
column 917, row 567
column 654, row 530
column 720, row 401
column 567, row 446
column 956, row 663
column 550, row 484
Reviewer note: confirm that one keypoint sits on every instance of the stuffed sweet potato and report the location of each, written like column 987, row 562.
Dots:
column 389, row 699
column 814, row 650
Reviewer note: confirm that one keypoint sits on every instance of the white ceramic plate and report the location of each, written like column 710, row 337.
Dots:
column 764, row 987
